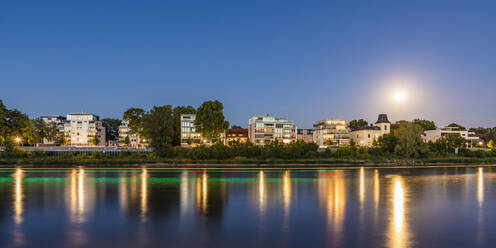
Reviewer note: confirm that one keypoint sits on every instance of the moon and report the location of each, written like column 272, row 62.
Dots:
column 399, row 96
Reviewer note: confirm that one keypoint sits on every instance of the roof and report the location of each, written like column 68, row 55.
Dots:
column 367, row 128
column 382, row 119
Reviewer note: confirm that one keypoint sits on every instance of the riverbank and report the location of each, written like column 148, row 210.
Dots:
column 68, row 162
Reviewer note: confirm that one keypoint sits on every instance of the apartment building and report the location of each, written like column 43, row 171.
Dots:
column 81, row 128
column 237, row 135
column 59, row 122
column 433, row 135
column 265, row 129
column 305, row 135
column 365, row 136
column 189, row 136
column 331, row 132
column 130, row 140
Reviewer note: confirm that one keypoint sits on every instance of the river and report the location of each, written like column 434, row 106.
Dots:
column 358, row 207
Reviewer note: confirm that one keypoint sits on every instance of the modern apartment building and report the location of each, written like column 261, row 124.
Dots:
column 365, row 136
column 265, row 129
column 305, row 135
column 331, row 132
column 189, row 136
column 81, row 128
column 237, row 135
column 134, row 139
column 58, row 121
column 433, row 135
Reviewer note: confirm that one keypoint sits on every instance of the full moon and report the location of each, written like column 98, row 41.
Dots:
column 399, row 96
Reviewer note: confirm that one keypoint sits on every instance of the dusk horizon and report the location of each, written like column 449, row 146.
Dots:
column 301, row 62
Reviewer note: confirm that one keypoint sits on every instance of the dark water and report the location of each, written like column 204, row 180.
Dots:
column 441, row 207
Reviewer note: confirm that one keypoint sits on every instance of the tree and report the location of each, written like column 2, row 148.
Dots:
column 30, row 135
column 61, row 140
column 236, row 127
column 210, row 120
column 177, row 112
column 135, row 118
column 409, row 142
column 127, row 140
column 459, row 127
column 357, row 124
column 491, row 145
column 111, row 128
column 387, row 143
column 425, row 124
column 451, row 142
column 158, row 125
column 95, row 140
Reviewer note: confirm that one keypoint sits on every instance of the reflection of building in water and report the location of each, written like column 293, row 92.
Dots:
column 332, row 198
column 187, row 193
column 480, row 186
column 398, row 232
column 261, row 192
column 286, row 194
column 18, row 196
column 144, row 193
column 18, row 235
column 361, row 192
column 210, row 196
column 78, row 196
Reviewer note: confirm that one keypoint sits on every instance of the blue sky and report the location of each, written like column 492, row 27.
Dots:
column 303, row 60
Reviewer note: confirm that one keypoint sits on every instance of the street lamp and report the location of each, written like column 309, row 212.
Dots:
column 17, row 140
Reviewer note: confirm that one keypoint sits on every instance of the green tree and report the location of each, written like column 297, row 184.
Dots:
column 491, row 145
column 409, row 142
column 177, row 112
column 450, row 142
column 30, row 135
column 210, row 121
column 236, row 127
column 425, row 124
column 135, row 118
column 158, row 125
column 60, row 140
column 111, row 128
column 95, row 140
column 357, row 124
column 127, row 141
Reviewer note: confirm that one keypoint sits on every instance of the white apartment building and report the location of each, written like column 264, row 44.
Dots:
column 189, row 136
column 331, row 132
column 365, row 136
column 81, row 128
column 265, row 129
column 135, row 140
column 433, row 135
column 59, row 122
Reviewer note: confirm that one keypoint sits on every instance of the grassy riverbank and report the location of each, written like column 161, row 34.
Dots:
column 41, row 162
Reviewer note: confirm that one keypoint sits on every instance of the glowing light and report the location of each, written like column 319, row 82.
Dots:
column 261, row 191
column 480, row 187
column 399, row 96
column 18, row 140
column 144, row 193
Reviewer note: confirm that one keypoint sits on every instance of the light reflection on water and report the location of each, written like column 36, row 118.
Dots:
column 335, row 208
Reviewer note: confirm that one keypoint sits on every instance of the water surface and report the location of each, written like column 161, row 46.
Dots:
column 431, row 207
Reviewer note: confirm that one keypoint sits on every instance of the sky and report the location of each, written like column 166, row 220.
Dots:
column 301, row 60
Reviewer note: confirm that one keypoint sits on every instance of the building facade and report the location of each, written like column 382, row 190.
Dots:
column 266, row 129
column 81, row 128
column 365, row 136
column 305, row 135
column 237, row 136
column 59, row 122
column 331, row 133
column 189, row 136
column 434, row 135
column 130, row 140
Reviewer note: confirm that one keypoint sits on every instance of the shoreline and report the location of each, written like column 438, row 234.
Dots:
column 40, row 163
